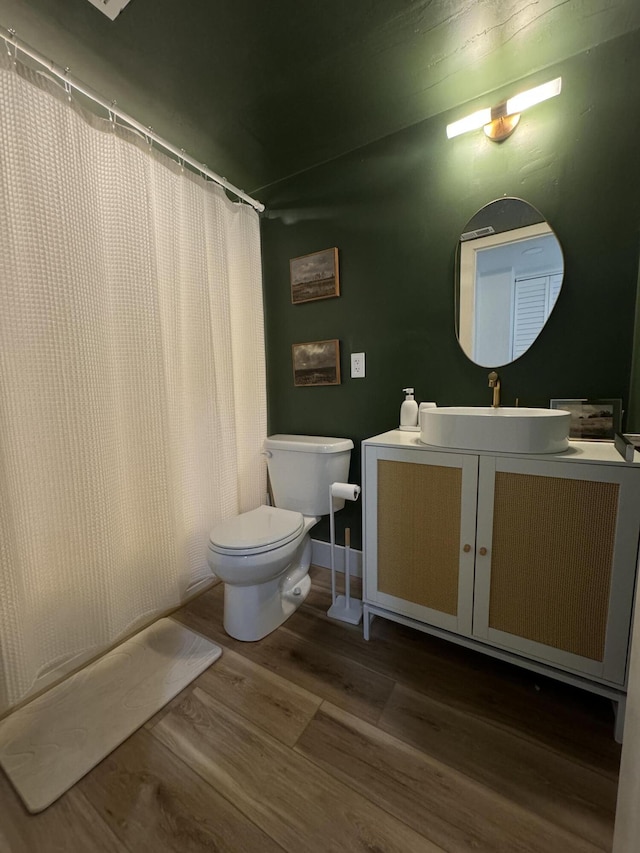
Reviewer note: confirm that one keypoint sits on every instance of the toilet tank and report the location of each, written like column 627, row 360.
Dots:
column 303, row 467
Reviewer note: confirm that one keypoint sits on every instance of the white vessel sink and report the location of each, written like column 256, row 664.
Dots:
column 506, row 430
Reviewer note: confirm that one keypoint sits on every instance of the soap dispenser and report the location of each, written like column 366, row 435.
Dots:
column 409, row 411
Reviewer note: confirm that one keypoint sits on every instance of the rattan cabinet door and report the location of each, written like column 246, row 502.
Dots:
column 556, row 562
column 420, row 535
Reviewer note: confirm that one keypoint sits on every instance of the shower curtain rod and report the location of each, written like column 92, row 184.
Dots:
column 63, row 75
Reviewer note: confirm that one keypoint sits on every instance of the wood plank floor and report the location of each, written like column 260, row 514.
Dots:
column 315, row 740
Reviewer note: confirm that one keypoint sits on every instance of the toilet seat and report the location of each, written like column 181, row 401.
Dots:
column 257, row 531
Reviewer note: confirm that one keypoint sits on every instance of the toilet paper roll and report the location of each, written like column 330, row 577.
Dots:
column 348, row 491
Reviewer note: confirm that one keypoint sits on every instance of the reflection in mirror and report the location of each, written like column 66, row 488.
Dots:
column 510, row 270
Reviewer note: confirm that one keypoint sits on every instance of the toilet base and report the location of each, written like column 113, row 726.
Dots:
column 252, row 612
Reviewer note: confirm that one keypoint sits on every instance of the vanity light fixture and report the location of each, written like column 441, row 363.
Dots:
column 500, row 122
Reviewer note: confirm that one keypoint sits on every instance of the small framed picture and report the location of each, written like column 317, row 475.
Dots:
column 314, row 276
column 592, row 420
column 316, row 363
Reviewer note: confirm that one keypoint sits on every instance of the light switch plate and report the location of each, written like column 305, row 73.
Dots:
column 357, row 365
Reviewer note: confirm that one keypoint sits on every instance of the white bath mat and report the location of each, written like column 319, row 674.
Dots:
column 47, row 745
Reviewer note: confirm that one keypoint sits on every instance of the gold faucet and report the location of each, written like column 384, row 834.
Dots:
column 494, row 383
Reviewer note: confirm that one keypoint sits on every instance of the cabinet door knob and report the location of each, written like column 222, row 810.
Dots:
column 483, row 552
column 466, row 549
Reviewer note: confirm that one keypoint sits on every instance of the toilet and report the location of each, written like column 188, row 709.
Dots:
column 263, row 556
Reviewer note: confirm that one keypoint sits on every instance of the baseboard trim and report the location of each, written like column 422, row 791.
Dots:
column 321, row 556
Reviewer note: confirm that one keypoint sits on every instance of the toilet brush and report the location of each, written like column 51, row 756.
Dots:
column 344, row 607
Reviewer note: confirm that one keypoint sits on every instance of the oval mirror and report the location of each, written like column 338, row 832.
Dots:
column 509, row 270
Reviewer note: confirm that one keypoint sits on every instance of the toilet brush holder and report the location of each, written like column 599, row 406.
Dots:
column 344, row 607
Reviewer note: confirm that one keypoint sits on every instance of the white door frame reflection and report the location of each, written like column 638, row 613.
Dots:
column 495, row 327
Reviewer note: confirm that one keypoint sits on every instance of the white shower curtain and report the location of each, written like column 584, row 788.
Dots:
column 132, row 380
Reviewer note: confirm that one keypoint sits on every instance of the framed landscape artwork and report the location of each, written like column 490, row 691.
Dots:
column 316, row 363
column 314, row 276
column 592, row 420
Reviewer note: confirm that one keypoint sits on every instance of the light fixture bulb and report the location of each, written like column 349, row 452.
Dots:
column 500, row 121
column 472, row 122
column 534, row 96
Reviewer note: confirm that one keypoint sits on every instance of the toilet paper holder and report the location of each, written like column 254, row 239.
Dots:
column 344, row 607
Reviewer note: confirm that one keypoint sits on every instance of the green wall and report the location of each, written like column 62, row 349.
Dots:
column 395, row 208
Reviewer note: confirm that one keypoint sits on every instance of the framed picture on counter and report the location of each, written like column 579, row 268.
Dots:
column 592, row 420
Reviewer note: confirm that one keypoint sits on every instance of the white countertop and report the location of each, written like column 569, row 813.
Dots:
column 598, row 452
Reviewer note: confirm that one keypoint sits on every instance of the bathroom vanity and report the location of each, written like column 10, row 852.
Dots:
column 530, row 558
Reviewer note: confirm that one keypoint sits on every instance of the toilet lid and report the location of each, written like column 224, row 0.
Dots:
column 257, row 530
